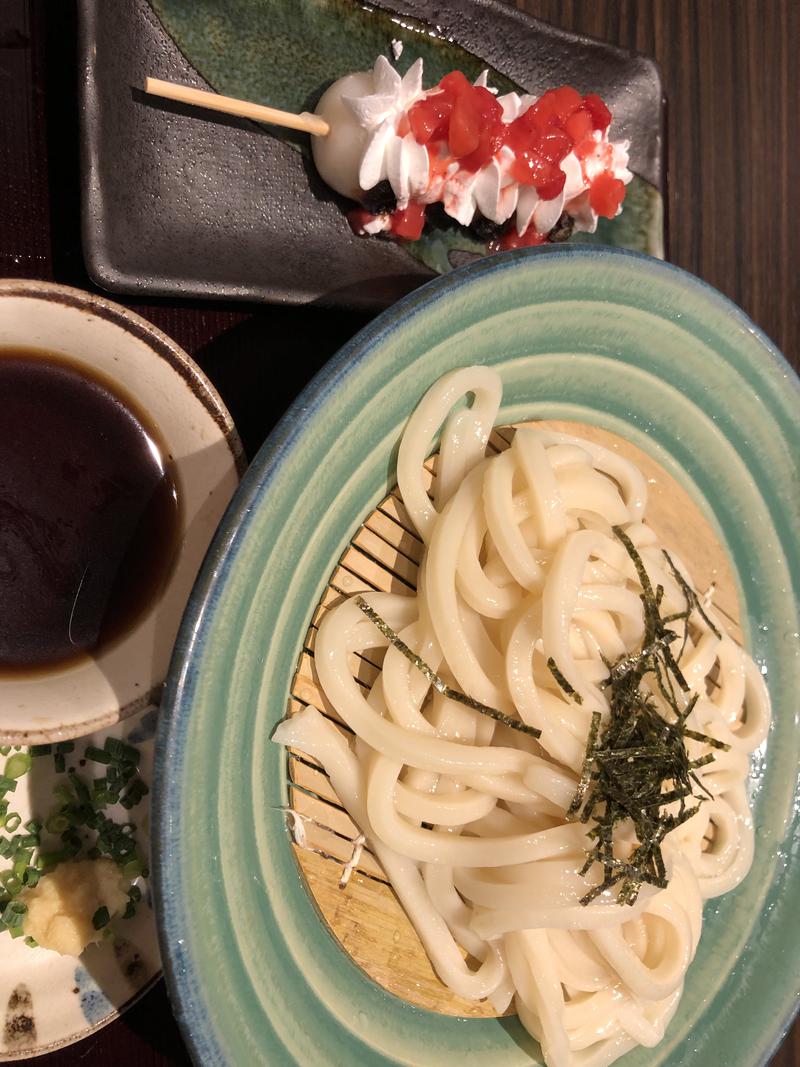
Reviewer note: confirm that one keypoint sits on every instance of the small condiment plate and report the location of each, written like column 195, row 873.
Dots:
column 201, row 444
column 48, row 1000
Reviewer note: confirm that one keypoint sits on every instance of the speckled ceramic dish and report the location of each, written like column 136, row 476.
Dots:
column 48, row 1001
column 192, row 431
column 597, row 336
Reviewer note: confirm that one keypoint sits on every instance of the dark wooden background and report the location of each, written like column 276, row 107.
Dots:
column 732, row 79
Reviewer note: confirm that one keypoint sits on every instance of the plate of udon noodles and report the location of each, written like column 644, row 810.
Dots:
column 490, row 677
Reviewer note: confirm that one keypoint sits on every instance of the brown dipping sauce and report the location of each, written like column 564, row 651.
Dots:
column 89, row 515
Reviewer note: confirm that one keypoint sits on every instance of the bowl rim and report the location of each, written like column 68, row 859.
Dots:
column 275, row 449
column 231, row 534
column 164, row 348
column 144, row 330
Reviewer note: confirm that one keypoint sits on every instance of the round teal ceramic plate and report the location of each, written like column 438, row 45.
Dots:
column 599, row 336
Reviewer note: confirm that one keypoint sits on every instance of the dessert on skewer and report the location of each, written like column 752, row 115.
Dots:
column 515, row 169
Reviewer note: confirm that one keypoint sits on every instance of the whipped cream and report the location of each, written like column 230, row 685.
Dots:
column 401, row 160
column 388, row 155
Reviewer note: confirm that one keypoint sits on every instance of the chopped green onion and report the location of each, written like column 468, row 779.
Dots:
column 81, row 790
column 71, row 843
column 120, row 752
column 51, row 859
column 122, row 849
column 119, row 776
column 40, row 750
column 95, row 820
column 81, row 811
column 10, row 883
column 18, row 764
column 133, row 868
column 97, row 755
column 4, row 750
column 57, row 823
column 136, row 792
column 31, row 942
column 7, row 785
column 31, row 877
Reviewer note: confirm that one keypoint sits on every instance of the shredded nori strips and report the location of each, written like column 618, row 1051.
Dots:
column 639, row 764
column 437, row 683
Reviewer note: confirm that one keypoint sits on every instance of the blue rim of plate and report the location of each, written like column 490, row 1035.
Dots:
column 183, row 981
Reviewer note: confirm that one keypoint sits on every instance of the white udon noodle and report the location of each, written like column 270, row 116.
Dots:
column 467, row 816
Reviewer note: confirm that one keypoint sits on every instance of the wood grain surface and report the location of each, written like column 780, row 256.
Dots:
column 732, row 82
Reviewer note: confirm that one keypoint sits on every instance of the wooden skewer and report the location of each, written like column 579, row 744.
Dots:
column 305, row 121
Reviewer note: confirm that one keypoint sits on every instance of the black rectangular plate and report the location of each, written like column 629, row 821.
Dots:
column 177, row 203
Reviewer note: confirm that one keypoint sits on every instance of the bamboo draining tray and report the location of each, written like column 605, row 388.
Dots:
column 364, row 914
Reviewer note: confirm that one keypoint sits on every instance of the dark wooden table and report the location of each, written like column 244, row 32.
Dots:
column 733, row 85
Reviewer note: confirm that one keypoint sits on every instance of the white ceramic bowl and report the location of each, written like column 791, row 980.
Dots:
column 198, row 434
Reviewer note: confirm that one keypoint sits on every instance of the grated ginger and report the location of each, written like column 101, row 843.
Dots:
column 63, row 903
